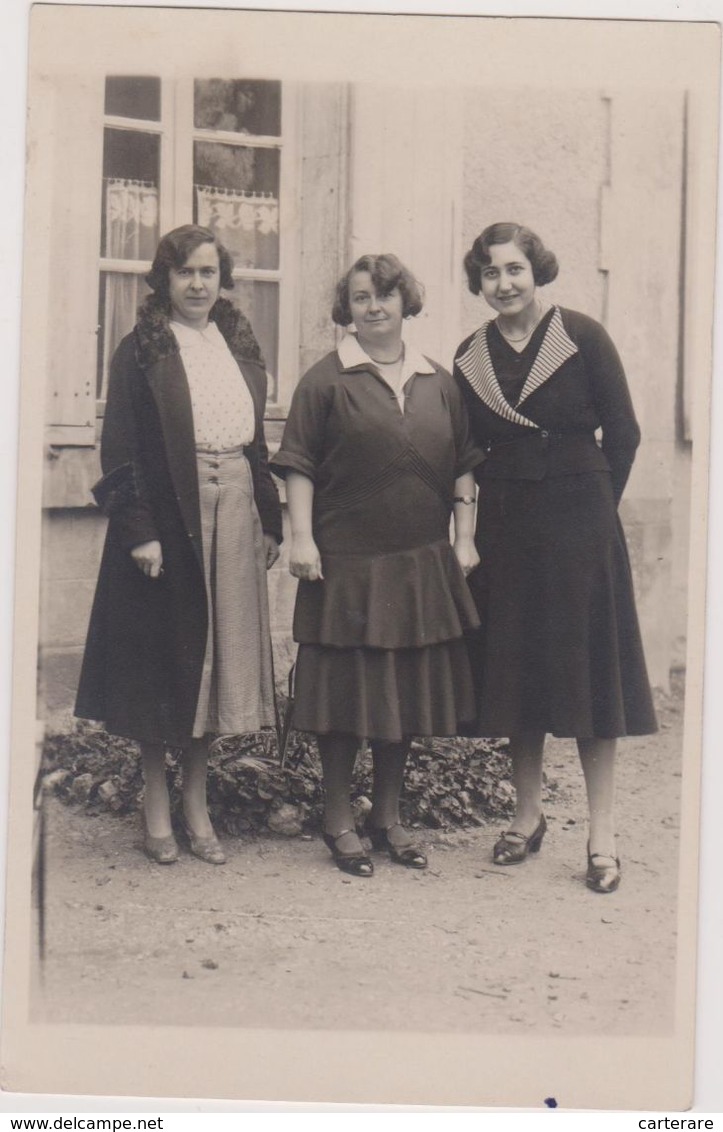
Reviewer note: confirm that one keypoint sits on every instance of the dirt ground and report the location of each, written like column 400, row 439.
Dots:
column 280, row 938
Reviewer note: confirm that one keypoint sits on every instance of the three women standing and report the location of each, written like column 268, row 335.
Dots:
column 559, row 648
column 377, row 457
column 178, row 647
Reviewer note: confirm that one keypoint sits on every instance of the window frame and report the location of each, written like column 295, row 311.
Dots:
column 177, row 134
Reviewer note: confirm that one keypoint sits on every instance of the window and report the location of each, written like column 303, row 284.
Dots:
column 129, row 207
column 217, row 152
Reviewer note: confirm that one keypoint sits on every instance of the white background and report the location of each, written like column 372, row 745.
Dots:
column 13, row 65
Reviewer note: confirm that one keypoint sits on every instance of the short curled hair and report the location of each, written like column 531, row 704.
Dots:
column 173, row 251
column 544, row 262
column 387, row 272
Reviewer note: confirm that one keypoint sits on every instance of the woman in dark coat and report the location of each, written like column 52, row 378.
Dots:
column 559, row 648
column 376, row 456
column 178, row 645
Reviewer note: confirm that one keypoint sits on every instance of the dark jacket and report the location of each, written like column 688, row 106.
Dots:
column 146, row 640
column 577, row 386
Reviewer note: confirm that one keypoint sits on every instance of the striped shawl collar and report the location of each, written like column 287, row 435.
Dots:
column 476, row 365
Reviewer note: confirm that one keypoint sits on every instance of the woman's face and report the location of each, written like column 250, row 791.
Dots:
column 378, row 318
column 508, row 283
column 194, row 287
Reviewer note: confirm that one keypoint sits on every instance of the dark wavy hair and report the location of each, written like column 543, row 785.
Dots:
column 173, row 251
column 544, row 262
column 387, row 272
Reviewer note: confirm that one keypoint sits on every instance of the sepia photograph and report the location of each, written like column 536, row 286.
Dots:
column 363, row 460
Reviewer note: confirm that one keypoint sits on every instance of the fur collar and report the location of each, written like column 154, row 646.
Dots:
column 154, row 338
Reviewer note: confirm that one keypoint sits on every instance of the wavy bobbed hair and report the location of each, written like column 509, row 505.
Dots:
column 173, row 251
column 543, row 261
column 387, row 272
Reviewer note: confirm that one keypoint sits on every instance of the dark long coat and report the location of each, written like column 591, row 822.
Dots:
column 146, row 640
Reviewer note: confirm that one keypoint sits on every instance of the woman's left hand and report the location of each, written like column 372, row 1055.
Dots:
column 271, row 550
column 467, row 555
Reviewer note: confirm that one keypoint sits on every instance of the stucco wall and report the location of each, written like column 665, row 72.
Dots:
column 540, row 159
column 641, row 251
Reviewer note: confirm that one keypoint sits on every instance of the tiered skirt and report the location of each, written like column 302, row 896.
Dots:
column 382, row 652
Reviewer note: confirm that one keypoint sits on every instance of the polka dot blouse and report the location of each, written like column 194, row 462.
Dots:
column 223, row 410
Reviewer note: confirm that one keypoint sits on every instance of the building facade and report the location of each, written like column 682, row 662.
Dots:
column 299, row 179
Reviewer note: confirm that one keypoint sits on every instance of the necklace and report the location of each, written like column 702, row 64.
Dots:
column 509, row 338
column 393, row 362
column 522, row 337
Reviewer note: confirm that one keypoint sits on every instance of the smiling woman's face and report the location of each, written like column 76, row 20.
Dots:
column 377, row 318
column 508, row 282
column 194, row 287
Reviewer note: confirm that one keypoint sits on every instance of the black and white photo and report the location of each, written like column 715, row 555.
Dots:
column 364, row 440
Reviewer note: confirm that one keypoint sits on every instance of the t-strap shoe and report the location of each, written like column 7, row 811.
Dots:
column 358, row 864
column 409, row 855
column 512, row 847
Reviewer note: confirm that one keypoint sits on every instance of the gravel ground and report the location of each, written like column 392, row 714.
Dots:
column 279, row 938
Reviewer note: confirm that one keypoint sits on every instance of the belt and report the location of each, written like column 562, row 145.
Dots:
column 542, row 435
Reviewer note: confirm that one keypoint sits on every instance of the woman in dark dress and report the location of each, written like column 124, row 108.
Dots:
column 559, row 647
column 376, row 456
column 178, row 647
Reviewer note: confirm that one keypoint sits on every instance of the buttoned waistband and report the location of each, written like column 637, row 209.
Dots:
column 541, row 435
column 219, row 453
column 222, row 467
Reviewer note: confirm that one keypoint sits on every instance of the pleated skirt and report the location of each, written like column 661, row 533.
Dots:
column 236, row 693
column 559, row 648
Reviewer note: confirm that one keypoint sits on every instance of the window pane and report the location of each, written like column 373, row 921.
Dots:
column 260, row 303
column 237, row 196
column 236, row 167
column 120, row 296
column 237, row 105
column 129, row 223
column 133, row 96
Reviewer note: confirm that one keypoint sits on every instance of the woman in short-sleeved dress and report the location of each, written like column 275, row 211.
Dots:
column 559, row 648
column 377, row 457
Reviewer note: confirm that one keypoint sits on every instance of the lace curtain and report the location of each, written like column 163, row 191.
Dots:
column 131, row 233
column 247, row 223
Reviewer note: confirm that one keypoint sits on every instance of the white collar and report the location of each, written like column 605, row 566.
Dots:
column 189, row 336
column 352, row 354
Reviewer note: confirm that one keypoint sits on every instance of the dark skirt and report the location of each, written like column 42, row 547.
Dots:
column 384, row 694
column 381, row 645
column 559, row 648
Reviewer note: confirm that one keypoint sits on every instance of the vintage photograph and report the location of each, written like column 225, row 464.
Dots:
column 365, row 403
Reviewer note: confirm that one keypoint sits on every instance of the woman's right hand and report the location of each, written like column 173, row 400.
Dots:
column 305, row 560
column 466, row 554
column 148, row 557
